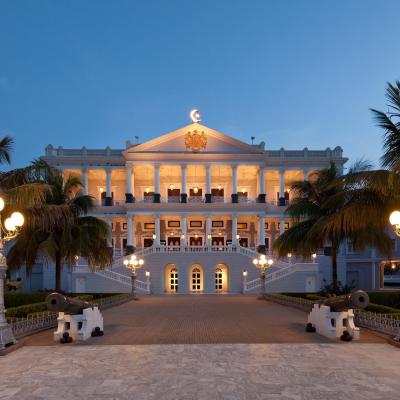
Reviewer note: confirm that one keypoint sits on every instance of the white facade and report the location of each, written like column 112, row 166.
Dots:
column 196, row 204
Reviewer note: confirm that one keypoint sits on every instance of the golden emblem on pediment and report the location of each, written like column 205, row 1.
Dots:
column 195, row 141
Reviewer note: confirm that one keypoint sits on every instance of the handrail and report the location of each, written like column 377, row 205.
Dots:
column 281, row 273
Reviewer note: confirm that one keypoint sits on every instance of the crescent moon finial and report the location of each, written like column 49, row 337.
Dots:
column 195, row 116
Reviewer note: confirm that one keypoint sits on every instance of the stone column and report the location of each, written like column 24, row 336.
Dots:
column 157, row 195
column 183, row 192
column 261, row 182
column 234, row 230
column 261, row 230
column 281, row 225
column 129, row 195
column 109, row 237
column 130, row 247
column 208, row 183
column 85, row 183
column 6, row 333
column 157, row 230
column 208, row 230
column 184, row 231
column 109, row 199
column 234, row 184
column 282, row 187
column 305, row 174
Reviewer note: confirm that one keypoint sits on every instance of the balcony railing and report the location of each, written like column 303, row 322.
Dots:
column 217, row 199
column 174, row 199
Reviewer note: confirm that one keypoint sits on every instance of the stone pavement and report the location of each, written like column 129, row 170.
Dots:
column 199, row 319
column 203, row 372
column 202, row 348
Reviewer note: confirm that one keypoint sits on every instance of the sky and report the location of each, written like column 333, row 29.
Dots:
column 294, row 74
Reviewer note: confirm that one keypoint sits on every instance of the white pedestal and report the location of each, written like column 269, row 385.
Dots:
column 80, row 326
column 333, row 324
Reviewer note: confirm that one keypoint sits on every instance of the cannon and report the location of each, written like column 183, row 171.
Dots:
column 334, row 317
column 59, row 303
column 77, row 319
column 358, row 299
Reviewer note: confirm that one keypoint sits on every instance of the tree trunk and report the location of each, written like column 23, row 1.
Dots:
column 334, row 268
column 58, row 271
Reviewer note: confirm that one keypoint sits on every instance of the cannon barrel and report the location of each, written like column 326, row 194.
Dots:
column 60, row 303
column 357, row 299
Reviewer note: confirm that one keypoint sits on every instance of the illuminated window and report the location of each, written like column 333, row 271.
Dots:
column 218, row 279
column 173, row 280
column 196, row 279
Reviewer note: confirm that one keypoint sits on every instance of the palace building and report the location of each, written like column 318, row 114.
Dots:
column 197, row 206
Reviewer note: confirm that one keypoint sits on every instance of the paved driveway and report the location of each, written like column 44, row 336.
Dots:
column 198, row 319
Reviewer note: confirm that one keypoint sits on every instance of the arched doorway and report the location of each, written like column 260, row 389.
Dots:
column 171, row 278
column 221, row 278
column 196, row 278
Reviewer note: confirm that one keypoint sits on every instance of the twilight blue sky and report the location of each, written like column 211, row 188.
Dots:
column 291, row 73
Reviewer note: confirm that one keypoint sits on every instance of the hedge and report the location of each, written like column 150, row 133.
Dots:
column 28, row 309
column 16, row 299
column 386, row 298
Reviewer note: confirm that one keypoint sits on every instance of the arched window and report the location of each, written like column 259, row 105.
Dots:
column 196, row 279
column 173, row 280
column 218, row 279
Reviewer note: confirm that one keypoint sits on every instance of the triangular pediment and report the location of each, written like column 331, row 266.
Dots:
column 195, row 138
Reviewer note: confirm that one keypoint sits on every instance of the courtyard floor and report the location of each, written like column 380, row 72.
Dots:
column 203, row 348
column 198, row 319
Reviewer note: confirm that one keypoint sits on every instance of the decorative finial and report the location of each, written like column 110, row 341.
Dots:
column 195, row 116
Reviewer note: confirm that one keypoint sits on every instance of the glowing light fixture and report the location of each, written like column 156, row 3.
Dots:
column 18, row 218
column 10, row 225
column 243, row 190
column 147, row 190
column 393, row 266
column 195, row 190
column 219, row 187
column 154, row 236
column 1, row 204
column 171, row 186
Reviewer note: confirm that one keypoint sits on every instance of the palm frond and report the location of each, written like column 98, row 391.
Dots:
column 6, row 145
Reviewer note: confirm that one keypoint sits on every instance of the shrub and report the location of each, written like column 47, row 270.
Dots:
column 378, row 308
column 23, row 311
column 386, row 298
column 22, row 298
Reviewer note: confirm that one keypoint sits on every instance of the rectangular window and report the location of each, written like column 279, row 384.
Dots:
column 174, row 224
column 149, row 225
column 217, row 224
column 195, row 224
column 242, row 225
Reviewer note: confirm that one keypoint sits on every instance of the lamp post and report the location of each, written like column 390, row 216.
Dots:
column 133, row 263
column 8, row 231
column 262, row 264
column 394, row 220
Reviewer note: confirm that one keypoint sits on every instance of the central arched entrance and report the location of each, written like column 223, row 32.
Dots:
column 196, row 278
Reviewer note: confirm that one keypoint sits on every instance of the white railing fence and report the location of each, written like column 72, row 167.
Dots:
column 385, row 323
column 46, row 320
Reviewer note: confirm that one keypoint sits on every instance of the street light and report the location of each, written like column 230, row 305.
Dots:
column 394, row 220
column 11, row 228
column 133, row 264
column 262, row 264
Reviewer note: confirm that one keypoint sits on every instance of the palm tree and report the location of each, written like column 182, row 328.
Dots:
column 73, row 233
column 5, row 148
column 390, row 122
column 329, row 209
